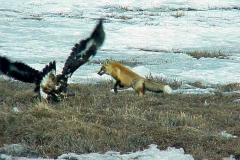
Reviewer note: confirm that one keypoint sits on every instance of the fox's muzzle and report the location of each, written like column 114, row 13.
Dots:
column 101, row 72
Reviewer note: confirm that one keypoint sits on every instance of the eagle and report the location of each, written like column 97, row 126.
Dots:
column 49, row 85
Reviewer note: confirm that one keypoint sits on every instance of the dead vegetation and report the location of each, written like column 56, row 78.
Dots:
column 178, row 14
column 96, row 120
column 194, row 53
column 207, row 54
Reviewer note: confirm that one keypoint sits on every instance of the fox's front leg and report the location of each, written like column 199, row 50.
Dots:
column 118, row 83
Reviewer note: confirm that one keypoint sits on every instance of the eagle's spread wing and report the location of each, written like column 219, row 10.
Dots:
column 48, row 85
column 84, row 50
column 19, row 71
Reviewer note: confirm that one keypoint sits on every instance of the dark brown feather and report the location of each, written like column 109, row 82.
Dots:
column 84, row 50
column 19, row 70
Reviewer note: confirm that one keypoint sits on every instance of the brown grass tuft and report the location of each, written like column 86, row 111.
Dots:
column 178, row 14
column 229, row 87
column 207, row 54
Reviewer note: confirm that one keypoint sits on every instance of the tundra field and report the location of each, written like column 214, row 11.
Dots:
column 191, row 45
column 94, row 119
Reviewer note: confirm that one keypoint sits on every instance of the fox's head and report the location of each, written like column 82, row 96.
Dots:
column 104, row 68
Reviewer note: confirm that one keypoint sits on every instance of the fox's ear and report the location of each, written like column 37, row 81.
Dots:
column 106, row 62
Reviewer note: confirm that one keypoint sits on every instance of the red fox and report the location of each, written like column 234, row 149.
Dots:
column 126, row 77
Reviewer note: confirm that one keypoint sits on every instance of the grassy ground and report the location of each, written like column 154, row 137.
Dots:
column 96, row 120
column 194, row 53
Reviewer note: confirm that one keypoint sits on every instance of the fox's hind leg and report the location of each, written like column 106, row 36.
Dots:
column 139, row 87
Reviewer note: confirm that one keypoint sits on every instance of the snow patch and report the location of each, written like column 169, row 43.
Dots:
column 148, row 154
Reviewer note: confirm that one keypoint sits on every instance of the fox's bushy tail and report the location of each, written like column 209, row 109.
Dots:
column 153, row 86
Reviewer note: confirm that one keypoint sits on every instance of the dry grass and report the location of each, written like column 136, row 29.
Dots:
column 194, row 53
column 207, row 54
column 96, row 120
column 229, row 87
column 178, row 14
column 129, row 62
column 153, row 50
column 175, row 84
